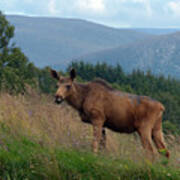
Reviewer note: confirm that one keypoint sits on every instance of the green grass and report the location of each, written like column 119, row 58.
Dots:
column 21, row 158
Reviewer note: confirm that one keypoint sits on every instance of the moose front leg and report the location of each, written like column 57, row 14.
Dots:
column 97, row 133
column 85, row 118
column 103, row 140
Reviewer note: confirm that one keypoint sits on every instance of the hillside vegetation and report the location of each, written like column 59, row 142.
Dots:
column 41, row 140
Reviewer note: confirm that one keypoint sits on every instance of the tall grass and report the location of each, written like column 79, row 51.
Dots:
column 41, row 140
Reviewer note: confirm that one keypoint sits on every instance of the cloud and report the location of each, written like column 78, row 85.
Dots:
column 52, row 7
column 135, row 13
column 148, row 7
column 91, row 6
column 28, row 1
column 145, row 3
column 29, row 7
column 174, row 7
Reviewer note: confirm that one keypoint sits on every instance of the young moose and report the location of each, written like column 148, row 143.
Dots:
column 103, row 106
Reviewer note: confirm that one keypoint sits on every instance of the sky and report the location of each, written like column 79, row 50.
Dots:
column 115, row 13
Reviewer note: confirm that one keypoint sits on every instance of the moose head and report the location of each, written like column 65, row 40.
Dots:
column 65, row 87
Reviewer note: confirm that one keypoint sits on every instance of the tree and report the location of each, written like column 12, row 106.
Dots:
column 15, row 69
column 6, row 33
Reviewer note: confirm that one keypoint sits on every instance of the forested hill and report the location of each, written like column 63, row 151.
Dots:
column 160, row 54
column 48, row 41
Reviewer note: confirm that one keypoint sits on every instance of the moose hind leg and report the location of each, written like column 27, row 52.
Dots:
column 159, row 142
column 103, row 140
column 158, row 138
column 146, row 139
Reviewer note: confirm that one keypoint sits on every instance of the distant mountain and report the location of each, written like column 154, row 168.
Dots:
column 48, row 41
column 57, row 41
column 157, row 31
column 160, row 54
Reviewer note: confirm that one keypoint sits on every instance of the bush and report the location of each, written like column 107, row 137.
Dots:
column 170, row 128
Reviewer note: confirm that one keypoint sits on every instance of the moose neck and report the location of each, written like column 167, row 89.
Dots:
column 77, row 98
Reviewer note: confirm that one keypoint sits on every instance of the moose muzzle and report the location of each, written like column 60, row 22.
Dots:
column 58, row 99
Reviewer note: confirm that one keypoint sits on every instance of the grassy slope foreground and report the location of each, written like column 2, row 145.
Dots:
column 40, row 140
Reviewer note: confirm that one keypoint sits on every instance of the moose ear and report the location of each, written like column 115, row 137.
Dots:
column 72, row 74
column 54, row 74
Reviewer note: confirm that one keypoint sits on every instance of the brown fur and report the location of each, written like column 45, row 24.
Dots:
column 104, row 107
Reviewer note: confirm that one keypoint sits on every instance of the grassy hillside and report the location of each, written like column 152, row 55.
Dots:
column 40, row 140
column 48, row 41
column 159, row 54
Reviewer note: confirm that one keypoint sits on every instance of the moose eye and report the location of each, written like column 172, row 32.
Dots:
column 68, row 87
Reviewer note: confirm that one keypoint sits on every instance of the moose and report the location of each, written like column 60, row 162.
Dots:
column 104, row 107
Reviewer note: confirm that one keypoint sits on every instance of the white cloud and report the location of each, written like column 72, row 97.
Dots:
column 146, row 4
column 28, row 1
column 138, row 1
column 52, row 7
column 174, row 7
column 148, row 7
column 111, row 12
column 95, row 6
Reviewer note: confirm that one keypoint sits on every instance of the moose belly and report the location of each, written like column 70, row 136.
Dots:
column 121, row 123
column 120, row 128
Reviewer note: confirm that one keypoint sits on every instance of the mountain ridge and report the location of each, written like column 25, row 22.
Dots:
column 57, row 41
column 159, row 54
column 50, row 40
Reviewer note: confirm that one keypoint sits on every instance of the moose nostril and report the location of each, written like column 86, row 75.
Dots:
column 58, row 99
